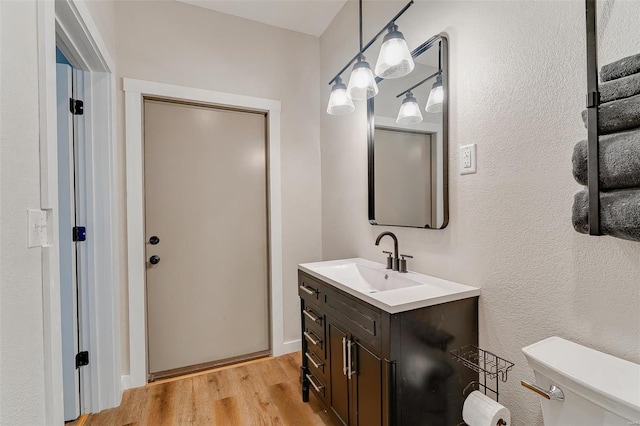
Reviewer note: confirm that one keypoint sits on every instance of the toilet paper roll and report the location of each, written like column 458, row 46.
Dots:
column 480, row 410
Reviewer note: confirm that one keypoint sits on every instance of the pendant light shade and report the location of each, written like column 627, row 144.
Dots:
column 362, row 83
column 394, row 60
column 409, row 111
column 339, row 102
column 434, row 104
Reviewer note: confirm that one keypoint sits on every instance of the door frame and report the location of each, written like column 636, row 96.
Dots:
column 135, row 91
column 69, row 24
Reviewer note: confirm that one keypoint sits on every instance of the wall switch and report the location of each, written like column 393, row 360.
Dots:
column 38, row 228
column 468, row 156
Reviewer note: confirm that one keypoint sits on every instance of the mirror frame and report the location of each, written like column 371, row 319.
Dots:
column 445, row 135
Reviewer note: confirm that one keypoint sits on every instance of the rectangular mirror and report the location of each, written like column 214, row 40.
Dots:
column 408, row 143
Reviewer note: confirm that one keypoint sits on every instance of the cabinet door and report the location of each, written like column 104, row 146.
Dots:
column 367, row 387
column 339, row 383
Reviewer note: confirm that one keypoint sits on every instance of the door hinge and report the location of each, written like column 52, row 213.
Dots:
column 76, row 106
column 82, row 359
column 79, row 233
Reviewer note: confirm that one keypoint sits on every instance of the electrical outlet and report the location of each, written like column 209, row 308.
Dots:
column 468, row 156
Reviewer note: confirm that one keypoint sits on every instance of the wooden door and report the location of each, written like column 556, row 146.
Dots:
column 206, row 202
column 339, row 382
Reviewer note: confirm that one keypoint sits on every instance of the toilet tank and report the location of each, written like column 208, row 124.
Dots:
column 599, row 389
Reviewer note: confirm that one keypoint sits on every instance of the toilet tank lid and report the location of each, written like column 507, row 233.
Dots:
column 605, row 374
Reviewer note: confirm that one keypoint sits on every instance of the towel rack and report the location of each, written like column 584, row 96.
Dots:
column 593, row 102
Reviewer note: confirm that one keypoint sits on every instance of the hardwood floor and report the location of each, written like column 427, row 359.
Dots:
column 266, row 392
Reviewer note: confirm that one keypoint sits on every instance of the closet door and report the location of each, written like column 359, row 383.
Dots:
column 205, row 184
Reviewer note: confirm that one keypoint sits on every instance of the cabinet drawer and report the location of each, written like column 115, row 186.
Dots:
column 318, row 334
column 317, row 385
column 313, row 316
column 314, row 340
column 316, row 364
column 309, row 289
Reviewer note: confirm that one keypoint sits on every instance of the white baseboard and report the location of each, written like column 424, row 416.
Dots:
column 291, row 346
column 125, row 382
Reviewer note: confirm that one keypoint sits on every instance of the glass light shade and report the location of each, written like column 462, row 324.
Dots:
column 339, row 102
column 409, row 111
column 362, row 83
column 436, row 96
column 394, row 60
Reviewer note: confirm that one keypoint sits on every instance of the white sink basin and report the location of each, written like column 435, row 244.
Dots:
column 367, row 279
column 388, row 290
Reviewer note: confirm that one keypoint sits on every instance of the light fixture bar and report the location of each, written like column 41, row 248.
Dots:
column 373, row 40
column 435, row 74
column 425, row 46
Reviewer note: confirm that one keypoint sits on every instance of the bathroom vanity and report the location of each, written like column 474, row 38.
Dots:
column 375, row 343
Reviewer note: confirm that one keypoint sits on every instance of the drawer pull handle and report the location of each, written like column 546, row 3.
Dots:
column 307, row 290
column 318, row 388
column 311, row 316
column 310, row 337
column 310, row 358
column 344, row 356
column 349, row 360
column 553, row 394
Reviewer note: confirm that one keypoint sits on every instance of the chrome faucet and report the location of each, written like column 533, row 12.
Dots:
column 396, row 261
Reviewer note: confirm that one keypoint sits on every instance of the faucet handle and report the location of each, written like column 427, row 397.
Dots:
column 402, row 267
column 389, row 259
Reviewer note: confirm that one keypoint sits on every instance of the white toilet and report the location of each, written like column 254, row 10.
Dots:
column 585, row 387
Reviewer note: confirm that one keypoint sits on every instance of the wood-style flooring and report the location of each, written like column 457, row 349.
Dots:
column 267, row 392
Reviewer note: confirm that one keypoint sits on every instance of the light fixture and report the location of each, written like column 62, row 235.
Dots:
column 362, row 83
column 339, row 102
column 436, row 96
column 409, row 111
column 394, row 60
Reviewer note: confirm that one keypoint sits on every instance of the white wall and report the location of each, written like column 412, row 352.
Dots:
column 21, row 326
column 176, row 43
column 103, row 14
column 517, row 90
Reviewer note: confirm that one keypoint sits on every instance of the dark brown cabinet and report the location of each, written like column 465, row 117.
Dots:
column 369, row 367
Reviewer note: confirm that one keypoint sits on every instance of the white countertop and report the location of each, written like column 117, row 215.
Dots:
column 424, row 290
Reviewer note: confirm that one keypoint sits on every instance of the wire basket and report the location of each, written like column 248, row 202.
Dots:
column 482, row 361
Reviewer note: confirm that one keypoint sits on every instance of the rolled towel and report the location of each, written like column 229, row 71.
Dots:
column 619, row 161
column 617, row 116
column 623, row 67
column 621, row 88
column 619, row 213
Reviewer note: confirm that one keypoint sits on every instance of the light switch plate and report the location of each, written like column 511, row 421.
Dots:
column 468, row 159
column 38, row 228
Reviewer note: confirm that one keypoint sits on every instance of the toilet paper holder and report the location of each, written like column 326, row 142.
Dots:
column 500, row 423
column 465, row 394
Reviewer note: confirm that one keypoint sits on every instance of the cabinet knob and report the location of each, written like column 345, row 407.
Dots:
column 154, row 260
column 154, row 240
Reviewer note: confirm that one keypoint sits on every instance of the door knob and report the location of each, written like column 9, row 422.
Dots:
column 154, row 260
column 154, row 240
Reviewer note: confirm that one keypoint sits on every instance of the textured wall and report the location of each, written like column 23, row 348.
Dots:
column 21, row 327
column 517, row 89
column 176, row 43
